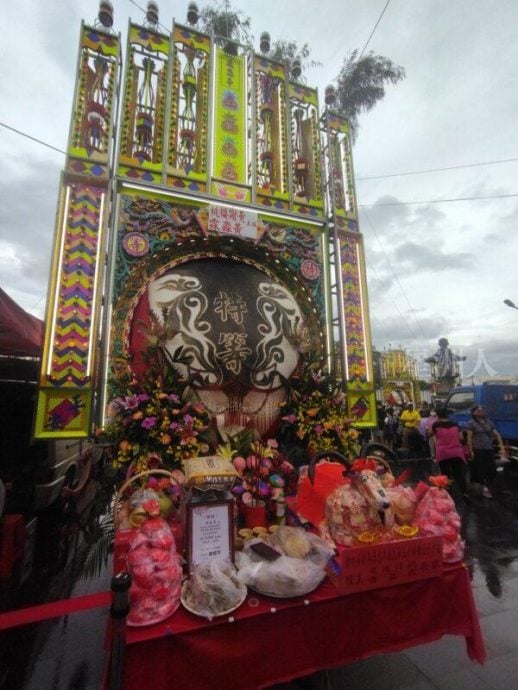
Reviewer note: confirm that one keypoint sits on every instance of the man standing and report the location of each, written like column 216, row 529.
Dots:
column 410, row 419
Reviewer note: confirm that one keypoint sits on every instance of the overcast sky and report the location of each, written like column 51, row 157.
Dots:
column 434, row 269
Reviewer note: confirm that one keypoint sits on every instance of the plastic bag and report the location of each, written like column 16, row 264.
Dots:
column 298, row 570
column 436, row 515
column 404, row 503
column 213, row 589
column 156, row 573
column 284, row 577
column 297, row 543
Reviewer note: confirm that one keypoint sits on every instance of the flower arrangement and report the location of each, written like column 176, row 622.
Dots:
column 156, row 428
column 316, row 417
column 265, row 475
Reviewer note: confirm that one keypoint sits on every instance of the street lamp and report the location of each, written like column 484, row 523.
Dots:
column 510, row 304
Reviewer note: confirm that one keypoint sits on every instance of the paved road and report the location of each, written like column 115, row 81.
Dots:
column 67, row 653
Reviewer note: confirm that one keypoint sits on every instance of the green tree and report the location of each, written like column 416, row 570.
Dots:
column 286, row 52
column 359, row 86
column 227, row 23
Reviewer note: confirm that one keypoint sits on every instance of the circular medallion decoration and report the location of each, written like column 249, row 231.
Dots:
column 310, row 269
column 135, row 244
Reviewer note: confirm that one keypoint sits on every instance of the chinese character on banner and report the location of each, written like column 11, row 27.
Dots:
column 232, row 222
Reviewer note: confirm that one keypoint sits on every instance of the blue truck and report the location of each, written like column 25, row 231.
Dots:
column 500, row 402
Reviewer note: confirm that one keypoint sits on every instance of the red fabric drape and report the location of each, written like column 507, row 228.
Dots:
column 271, row 640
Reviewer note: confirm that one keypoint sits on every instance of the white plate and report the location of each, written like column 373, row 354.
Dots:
column 152, row 621
column 286, row 596
column 216, row 615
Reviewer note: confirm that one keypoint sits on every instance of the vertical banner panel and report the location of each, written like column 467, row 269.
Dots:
column 271, row 148
column 143, row 120
column 94, row 104
column 230, row 156
column 360, row 386
column 72, row 315
column 306, row 192
column 189, row 110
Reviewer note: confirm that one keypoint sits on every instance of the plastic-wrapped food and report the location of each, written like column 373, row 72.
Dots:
column 404, row 502
column 299, row 569
column 284, row 577
column 436, row 515
column 156, row 572
column 213, row 589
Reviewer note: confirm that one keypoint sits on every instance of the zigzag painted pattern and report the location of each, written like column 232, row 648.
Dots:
column 75, row 296
column 353, row 310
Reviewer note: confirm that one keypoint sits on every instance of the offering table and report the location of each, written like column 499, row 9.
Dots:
column 268, row 641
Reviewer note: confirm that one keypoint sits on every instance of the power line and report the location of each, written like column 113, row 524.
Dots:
column 28, row 136
column 145, row 12
column 394, row 274
column 386, row 294
column 387, row 203
column 438, row 201
column 432, row 170
column 375, row 27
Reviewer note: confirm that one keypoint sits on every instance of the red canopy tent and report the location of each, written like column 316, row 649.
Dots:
column 21, row 334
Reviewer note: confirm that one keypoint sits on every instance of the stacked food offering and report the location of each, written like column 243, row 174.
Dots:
column 235, row 522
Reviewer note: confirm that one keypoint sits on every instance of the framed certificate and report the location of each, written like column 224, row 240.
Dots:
column 210, row 532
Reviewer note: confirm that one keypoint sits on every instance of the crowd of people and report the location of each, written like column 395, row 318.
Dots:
column 428, row 432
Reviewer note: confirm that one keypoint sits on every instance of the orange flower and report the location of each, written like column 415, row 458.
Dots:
column 165, row 439
column 137, row 415
column 441, row 481
column 125, row 446
column 312, row 412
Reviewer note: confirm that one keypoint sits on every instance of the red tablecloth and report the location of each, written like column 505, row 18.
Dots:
column 272, row 640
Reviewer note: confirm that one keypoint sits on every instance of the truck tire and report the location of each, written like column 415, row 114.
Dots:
column 381, row 451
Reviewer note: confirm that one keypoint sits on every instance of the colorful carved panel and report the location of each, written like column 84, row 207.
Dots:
column 68, row 356
column 242, row 282
column 188, row 129
column 339, row 168
column 271, row 148
column 94, row 104
column 305, row 150
column 358, row 357
column 230, row 160
column 143, row 117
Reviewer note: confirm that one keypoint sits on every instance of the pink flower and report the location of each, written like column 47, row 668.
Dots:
column 247, row 498
column 272, row 443
column 239, row 463
column 148, row 423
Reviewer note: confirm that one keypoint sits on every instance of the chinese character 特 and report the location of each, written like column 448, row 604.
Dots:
column 230, row 305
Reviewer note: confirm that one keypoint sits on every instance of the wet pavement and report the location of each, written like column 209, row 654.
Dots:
column 67, row 653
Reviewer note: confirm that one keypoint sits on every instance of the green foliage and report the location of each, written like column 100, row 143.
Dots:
column 286, row 52
column 227, row 23
column 361, row 84
column 100, row 547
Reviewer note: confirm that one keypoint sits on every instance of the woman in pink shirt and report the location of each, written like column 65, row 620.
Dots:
column 449, row 451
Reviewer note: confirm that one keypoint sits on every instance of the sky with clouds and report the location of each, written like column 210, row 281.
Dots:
column 442, row 247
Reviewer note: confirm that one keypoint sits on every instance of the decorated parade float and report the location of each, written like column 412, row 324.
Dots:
column 208, row 324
